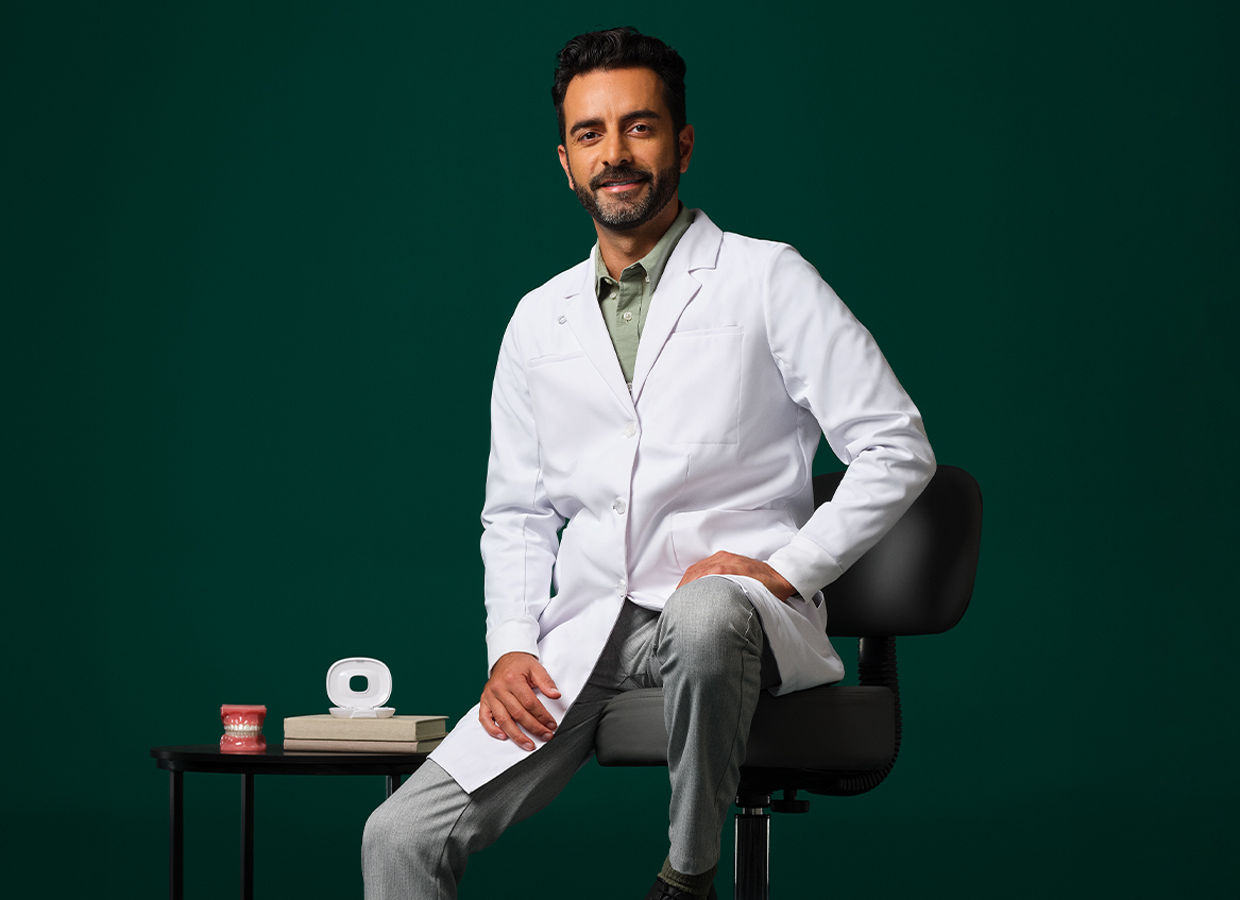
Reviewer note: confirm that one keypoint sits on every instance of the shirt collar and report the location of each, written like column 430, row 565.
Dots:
column 651, row 265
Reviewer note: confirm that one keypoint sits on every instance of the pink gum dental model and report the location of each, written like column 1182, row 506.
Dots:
column 243, row 728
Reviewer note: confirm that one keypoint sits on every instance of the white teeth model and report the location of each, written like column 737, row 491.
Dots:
column 243, row 728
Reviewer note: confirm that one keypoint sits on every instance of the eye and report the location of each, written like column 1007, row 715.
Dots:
column 587, row 136
column 640, row 128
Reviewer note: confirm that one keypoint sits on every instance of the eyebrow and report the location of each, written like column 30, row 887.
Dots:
column 627, row 117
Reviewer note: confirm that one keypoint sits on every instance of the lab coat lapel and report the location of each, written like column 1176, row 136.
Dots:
column 698, row 249
column 583, row 315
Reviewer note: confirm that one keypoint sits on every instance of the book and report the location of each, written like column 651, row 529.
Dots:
column 330, row 746
column 393, row 728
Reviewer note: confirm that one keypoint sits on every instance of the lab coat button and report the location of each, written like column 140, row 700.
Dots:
column 630, row 429
column 562, row 319
column 618, row 507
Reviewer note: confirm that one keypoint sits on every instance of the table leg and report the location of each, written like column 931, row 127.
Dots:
column 176, row 855
column 247, row 837
column 393, row 782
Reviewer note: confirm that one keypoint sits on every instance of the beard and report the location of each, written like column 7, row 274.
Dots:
column 621, row 214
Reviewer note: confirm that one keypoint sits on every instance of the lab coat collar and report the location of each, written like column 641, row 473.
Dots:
column 698, row 249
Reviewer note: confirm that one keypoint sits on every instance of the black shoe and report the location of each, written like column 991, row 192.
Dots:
column 664, row 891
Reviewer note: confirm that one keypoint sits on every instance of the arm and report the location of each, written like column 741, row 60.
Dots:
column 832, row 368
column 519, row 546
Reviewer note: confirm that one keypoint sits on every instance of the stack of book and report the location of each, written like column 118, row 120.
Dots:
column 394, row 734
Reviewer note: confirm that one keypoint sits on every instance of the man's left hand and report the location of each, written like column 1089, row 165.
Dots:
column 724, row 563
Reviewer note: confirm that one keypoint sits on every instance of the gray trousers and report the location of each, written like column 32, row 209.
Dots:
column 706, row 650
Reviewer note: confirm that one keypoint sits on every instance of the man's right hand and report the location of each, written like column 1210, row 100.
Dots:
column 509, row 704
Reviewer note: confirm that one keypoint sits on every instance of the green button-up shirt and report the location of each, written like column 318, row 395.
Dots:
column 624, row 303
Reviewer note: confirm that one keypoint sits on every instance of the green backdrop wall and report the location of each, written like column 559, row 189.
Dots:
column 257, row 261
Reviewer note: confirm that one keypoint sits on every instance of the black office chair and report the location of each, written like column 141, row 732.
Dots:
column 835, row 739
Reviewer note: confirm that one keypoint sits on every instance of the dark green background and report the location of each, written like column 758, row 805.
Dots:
column 257, row 262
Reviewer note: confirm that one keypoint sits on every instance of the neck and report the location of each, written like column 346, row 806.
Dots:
column 620, row 249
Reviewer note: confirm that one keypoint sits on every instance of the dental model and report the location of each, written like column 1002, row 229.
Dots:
column 243, row 728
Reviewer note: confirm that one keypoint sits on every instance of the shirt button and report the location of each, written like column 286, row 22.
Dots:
column 628, row 315
column 630, row 429
column 618, row 507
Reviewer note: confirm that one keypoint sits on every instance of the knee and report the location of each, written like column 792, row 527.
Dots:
column 392, row 832
column 708, row 616
column 379, row 835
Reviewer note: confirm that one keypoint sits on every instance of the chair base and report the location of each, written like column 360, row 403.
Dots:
column 752, row 855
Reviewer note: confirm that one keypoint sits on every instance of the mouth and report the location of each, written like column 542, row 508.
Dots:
column 619, row 187
column 619, row 184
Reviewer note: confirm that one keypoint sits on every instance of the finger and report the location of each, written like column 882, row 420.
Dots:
column 516, row 720
column 542, row 680
column 526, row 710
column 540, row 721
column 505, row 721
column 530, row 702
column 488, row 723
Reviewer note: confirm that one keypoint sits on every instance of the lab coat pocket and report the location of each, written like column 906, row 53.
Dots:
column 551, row 358
column 693, row 394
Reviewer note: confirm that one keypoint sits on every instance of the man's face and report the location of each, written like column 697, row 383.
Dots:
column 620, row 151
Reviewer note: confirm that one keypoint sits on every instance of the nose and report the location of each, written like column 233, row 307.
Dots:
column 616, row 149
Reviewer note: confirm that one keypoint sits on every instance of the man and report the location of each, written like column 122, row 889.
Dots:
column 648, row 518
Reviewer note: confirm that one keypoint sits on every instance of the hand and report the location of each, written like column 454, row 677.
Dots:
column 724, row 563
column 508, row 702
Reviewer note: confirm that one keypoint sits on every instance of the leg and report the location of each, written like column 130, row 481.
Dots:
column 709, row 657
column 176, row 861
column 247, row 836
column 416, row 844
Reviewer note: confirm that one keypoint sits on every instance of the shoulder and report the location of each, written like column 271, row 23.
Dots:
column 554, row 290
column 790, row 293
column 739, row 255
column 538, row 310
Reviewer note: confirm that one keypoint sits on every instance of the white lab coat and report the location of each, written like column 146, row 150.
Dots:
column 746, row 355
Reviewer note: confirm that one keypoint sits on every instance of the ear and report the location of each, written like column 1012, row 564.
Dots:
column 685, row 142
column 564, row 165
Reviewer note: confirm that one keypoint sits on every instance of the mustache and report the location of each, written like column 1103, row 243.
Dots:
column 619, row 173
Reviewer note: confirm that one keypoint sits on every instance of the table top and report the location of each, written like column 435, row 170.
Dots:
column 278, row 761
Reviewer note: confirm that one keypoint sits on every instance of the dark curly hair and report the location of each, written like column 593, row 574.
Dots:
column 621, row 48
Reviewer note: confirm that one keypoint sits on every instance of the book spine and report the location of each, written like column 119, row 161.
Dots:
column 364, row 730
column 331, row 746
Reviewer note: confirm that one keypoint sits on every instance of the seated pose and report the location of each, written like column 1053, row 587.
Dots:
column 649, row 517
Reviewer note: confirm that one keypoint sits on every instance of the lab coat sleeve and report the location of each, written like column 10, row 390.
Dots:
column 833, row 369
column 520, row 536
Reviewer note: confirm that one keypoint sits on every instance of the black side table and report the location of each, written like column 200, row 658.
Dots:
column 208, row 758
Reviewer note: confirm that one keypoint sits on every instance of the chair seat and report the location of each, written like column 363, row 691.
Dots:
column 843, row 728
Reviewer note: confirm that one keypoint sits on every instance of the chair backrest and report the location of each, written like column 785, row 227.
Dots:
column 918, row 579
